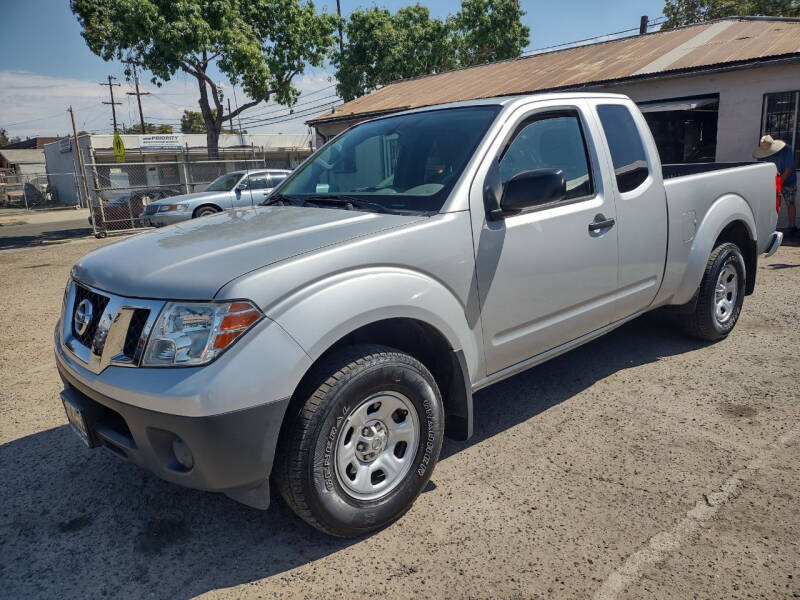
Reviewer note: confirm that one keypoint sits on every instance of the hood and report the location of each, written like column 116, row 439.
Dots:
column 194, row 259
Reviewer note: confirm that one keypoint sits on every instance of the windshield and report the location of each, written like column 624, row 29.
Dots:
column 224, row 183
column 408, row 162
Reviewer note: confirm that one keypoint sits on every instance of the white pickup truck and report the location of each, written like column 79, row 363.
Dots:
column 330, row 338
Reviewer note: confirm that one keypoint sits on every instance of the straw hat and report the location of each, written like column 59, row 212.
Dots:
column 768, row 146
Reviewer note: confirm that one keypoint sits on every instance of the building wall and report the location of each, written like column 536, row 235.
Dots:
column 741, row 95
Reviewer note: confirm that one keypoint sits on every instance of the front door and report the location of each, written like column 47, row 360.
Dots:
column 549, row 275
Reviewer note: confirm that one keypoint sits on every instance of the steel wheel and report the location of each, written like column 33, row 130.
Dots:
column 376, row 446
column 726, row 293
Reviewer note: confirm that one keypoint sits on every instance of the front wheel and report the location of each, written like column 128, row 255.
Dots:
column 361, row 440
column 721, row 294
column 205, row 211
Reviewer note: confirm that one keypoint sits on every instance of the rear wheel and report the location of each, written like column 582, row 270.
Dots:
column 204, row 211
column 361, row 440
column 721, row 294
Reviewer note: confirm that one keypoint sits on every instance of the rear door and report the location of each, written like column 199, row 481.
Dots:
column 641, row 204
column 259, row 187
column 546, row 276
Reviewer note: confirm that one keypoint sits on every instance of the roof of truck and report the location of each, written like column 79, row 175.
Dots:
column 714, row 45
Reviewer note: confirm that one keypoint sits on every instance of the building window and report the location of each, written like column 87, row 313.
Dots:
column 684, row 129
column 780, row 120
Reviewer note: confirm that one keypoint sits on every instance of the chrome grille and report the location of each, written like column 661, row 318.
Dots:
column 99, row 303
column 134, row 340
column 117, row 332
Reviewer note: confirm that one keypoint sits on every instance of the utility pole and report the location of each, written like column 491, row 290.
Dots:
column 341, row 38
column 229, row 112
column 138, row 95
column 80, row 157
column 112, row 103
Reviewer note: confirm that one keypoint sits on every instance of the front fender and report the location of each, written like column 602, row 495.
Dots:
column 725, row 210
column 320, row 314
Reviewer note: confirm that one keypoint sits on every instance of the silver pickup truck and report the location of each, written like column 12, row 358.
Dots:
column 328, row 340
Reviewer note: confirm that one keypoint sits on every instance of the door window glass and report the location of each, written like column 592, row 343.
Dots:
column 257, row 182
column 550, row 142
column 625, row 145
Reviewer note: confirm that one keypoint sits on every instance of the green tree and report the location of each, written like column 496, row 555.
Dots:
column 148, row 128
column 192, row 122
column 4, row 140
column 381, row 47
column 686, row 12
column 261, row 45
column 490, row 30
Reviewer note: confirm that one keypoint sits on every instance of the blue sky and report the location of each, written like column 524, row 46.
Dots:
column 45, row 64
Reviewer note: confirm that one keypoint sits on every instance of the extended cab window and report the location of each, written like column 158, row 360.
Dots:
column 550, row 141
column 625, row 145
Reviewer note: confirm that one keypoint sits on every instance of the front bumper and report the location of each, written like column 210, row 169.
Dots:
column 231, row 452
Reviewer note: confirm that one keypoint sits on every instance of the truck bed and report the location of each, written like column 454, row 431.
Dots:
column 679, row 170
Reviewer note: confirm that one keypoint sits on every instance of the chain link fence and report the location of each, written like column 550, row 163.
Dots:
column 39, row 191
column 120, row 192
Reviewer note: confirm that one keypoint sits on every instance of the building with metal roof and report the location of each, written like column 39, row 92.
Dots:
column 708, row 91
column 22, row 161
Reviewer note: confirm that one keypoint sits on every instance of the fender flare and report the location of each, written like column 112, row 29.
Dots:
column 725, row 210
column 323, row 312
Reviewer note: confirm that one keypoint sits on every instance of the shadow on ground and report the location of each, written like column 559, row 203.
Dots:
column 80, row 523
column 22, row 236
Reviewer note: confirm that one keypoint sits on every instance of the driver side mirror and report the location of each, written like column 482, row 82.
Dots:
column 526, row 190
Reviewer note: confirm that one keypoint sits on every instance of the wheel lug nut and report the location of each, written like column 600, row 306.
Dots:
column 366, row 432
column 361, row 446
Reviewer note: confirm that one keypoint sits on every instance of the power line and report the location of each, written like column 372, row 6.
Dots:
column 652, row 23
column 294, row 116
column 299, row 104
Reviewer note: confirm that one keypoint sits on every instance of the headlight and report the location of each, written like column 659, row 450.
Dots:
column 194, row 333
column 172, row 208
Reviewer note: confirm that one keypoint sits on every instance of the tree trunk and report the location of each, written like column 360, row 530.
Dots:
column 212, row 139
column 213, row 125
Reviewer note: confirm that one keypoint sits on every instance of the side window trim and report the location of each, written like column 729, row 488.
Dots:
column 552, row 112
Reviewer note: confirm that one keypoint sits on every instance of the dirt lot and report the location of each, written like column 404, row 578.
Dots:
column 643, row 465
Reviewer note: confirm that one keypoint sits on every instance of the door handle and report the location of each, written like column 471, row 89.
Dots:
column 600, row 225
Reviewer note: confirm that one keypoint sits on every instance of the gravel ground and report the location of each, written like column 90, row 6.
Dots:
column 644, row 464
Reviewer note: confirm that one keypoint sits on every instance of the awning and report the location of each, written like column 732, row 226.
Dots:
column 682, row 104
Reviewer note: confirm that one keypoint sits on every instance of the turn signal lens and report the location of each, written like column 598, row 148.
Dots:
column 778, row 189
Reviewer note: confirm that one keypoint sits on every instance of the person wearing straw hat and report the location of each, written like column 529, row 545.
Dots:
column 781, row 154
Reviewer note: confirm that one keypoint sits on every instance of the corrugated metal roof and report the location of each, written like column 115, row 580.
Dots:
column 712, row 44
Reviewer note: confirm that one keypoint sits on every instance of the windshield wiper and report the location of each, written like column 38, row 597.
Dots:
column 352, row 203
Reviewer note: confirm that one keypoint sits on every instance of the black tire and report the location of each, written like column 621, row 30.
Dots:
column 305, row 466
column 205, row 211
column 704, row 323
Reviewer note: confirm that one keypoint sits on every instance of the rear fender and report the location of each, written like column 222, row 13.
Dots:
column 724, row 211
